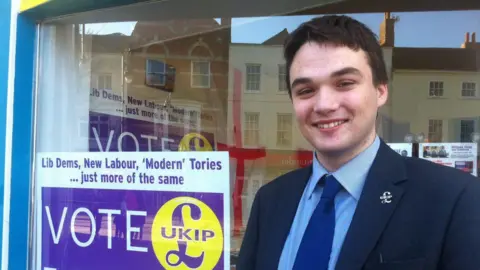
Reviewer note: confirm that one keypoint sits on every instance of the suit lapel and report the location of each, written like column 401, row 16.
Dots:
column 373, row 212
column 289, row 194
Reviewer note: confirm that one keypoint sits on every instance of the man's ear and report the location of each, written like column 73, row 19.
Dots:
column 382, row 94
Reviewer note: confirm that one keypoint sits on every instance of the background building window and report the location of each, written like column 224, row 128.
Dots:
column 201, row 74
column 436, row 89
column 155, row 73
column 284, row 130
column 282, row 77
column 252, row 129
column 467, row 127
column 469, row 89
column 253, row 77
column 435, row 130
column 104, row 81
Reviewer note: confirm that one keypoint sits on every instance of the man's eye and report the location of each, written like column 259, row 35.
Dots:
column 343, row 84
column 304, row 91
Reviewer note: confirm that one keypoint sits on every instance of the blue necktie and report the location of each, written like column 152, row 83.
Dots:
column 316, row 246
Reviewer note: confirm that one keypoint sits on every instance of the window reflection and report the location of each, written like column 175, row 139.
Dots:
column 151, row 82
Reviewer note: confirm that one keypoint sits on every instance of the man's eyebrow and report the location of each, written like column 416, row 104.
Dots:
column 301, row 80
column 345, row 71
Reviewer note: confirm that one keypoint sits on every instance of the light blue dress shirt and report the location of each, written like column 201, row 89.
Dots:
column 352, row 178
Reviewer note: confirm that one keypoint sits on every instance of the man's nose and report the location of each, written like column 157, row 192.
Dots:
column 326, row 100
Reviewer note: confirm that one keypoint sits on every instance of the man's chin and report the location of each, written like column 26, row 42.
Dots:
column 332, row 149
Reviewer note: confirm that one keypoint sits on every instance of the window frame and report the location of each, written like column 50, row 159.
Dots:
column 282, row 78
column 442, row 89
column 103, row 75
column 248, row 130
column 475, row 89
column 248, row 89
column 437, row 134
column 192, row 74
column 287, row 131
column 463, row 128
column 163, row 74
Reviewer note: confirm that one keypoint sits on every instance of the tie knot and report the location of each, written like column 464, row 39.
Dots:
column 331, row 188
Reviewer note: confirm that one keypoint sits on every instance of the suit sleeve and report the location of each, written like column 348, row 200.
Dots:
column 462, row 242
column 248, row 249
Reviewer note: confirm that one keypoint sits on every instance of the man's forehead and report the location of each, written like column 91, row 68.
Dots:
column 324, row 58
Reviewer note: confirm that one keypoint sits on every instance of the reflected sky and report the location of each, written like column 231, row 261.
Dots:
column 415, row 29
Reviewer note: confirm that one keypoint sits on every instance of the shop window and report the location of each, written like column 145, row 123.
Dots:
column 252, row 129
column 467, row 127
column 436, row 89
column 159, row 63
column 469, row 89
column 253, row 77
column 200, row 74
column 435, row 132
column 282, row 78
column 284, row 130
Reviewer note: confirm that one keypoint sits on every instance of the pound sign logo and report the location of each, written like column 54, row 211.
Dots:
column 186, row 234
column 194, row 142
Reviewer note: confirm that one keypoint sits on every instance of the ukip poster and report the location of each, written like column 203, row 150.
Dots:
column 133, row 210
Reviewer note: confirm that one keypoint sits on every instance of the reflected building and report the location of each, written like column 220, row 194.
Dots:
column 154, row 86
column 435, row 92
column 137, row 68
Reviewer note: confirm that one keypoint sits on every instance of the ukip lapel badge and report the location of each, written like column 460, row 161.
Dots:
column 386, row 197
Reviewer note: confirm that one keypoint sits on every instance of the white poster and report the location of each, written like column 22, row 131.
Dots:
column 462, row 156
column 404, row 149
column 133, row 210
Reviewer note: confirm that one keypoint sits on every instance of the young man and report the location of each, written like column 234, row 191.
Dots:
column 360, row 205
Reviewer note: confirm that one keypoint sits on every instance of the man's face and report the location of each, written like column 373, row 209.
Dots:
column 334, row 98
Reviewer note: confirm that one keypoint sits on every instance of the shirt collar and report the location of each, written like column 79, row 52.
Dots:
column 351, row 175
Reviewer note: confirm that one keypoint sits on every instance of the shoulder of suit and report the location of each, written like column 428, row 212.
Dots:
column 424, row 172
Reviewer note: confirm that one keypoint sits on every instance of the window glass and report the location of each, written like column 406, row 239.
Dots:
column 139, row 79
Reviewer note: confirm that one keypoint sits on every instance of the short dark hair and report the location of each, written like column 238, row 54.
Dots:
column 339, row 30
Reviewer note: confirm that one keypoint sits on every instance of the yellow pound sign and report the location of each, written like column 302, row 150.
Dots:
column 197, row 137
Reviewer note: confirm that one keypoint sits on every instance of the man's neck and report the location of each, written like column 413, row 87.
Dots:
column 333, row 161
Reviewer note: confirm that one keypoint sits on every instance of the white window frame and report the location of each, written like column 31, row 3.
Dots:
column 464, row 89
column 288, row 132
column 192, row 74
column 282, row 78
column 250, row 128
column 437, row 86
column 104, row 74
column 248, row 84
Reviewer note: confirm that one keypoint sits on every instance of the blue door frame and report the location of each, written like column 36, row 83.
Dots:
column 16, row 123
column 5, row 7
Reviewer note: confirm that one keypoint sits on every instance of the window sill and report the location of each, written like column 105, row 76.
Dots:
column 253, row 91
column 284, row 147
column 469, row 98
column 199, row 87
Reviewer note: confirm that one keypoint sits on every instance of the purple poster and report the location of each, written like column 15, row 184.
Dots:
column 109, row 133
column 145, row 196
column 112, row 229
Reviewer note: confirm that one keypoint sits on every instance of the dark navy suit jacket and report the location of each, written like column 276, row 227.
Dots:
column 432, row 222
